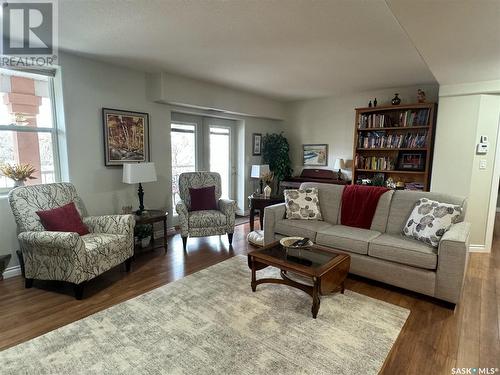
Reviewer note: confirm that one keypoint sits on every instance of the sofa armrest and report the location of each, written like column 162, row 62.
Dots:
column 271, row 215
column 112, row 224
column 228, row 208
column 453, row 253
column 51, row 243
column 183, row 213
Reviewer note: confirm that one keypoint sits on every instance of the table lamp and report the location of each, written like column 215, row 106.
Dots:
column 138, row 173
column 339, row 164
column 258, row 171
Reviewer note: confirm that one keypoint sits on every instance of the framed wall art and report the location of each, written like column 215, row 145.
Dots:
column 126, row 136
column 256, row 144
column 315, row 155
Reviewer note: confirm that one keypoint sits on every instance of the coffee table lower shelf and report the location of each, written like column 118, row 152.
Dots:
column 332, row 280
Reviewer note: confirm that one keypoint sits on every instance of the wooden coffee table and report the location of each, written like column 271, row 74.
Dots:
column 326, row 268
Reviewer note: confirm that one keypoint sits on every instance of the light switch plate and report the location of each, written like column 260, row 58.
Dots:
column 482, row 164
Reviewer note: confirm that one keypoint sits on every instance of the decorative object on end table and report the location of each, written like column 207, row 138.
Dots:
column 275, row 149
column 126, row 136
column 19, row 173
column 421, row 96
column 339, row 165
column 396, row 100
column 370, row 104
column 259, row 171
column 375, row 102
column 4, row 261
column 256, row 144
column 137, row 173
column 268, row 179
column 315, row 154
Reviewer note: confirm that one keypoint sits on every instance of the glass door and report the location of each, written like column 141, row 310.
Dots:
column 183, row 142
column 220, row 156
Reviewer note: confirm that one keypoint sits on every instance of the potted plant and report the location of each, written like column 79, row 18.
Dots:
column 275, row 149
column 143, row 233
column 19, row 173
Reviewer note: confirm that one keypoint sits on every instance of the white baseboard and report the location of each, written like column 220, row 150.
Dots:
column 478, row 249
column 242, row 212
column 11, row 272
column 498, row 209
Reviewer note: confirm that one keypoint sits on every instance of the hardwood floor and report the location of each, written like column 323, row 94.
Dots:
column 434, row 340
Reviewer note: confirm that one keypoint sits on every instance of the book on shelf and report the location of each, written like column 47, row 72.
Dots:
column 411, row 117
column 384, row 140
column 414, row 186
column 374, row 163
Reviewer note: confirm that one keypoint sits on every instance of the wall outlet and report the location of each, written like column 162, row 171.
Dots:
column 482, row 164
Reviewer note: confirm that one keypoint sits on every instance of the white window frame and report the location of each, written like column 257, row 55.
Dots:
column 28, row 129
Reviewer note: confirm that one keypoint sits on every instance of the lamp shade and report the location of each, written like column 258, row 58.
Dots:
column 258, row 171
column 339, row 164
column 134, row 173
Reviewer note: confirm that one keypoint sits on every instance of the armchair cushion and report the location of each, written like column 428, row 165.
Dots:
column 63, row 219
column 112, row 224
column 203, row 198
column 206, row 218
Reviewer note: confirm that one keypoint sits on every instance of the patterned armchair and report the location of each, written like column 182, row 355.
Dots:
column 66, row 256
column 208, row 222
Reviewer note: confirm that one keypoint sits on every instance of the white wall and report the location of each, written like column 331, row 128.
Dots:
column 331, row 120
column 88, row 86
column 461, row 122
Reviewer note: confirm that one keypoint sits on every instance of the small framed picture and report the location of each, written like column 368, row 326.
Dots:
column 411, row 161
column 315, row 155
column 126, row 136
column 256, row 144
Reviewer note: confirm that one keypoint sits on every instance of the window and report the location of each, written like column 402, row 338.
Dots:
column 183, row 140
column 28, row 134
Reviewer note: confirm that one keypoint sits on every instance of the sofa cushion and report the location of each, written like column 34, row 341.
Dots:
column 403, row 202
column 302, row 204
column 302, row 228
column 346, row 238
column 330, row 197
column 430, row 219
column 379, row 221
column 397, row 248
column 206, row 218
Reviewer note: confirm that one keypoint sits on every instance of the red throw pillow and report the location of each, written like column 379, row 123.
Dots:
column 63, row 219
column 203, row 198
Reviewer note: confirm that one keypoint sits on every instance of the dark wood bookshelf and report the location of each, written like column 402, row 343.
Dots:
column 394, row 154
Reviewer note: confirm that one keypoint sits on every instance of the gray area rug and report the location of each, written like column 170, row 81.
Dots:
column 211, row 323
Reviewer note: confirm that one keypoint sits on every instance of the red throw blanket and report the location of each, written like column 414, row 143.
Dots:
column 359, row 203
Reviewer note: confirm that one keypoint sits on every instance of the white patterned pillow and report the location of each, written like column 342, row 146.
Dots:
column 302, row 204
column 430, row 219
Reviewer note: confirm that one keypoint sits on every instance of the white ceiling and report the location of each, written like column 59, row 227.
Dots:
column 287, row 49
column 459, row 39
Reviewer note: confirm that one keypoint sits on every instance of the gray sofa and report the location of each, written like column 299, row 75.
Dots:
column 382, row 253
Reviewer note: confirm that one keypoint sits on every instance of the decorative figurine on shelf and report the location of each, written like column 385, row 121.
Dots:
column 375, row 102
column 370, row 104
column 396, row 100
column 390, row 183
column 421, row 96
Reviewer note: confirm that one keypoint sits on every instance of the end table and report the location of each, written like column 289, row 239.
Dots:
column 151, row 217
column 260, row 203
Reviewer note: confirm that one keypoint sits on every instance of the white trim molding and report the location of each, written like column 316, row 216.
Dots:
column 478, row 249
column 12, row 272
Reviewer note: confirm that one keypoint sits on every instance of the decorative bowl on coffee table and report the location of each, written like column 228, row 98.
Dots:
column 288, row 242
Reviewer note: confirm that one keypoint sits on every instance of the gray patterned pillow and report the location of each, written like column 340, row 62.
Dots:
column 430, row 219
column 302, row 204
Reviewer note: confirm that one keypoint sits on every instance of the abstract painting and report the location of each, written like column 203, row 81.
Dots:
column 126, row 136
